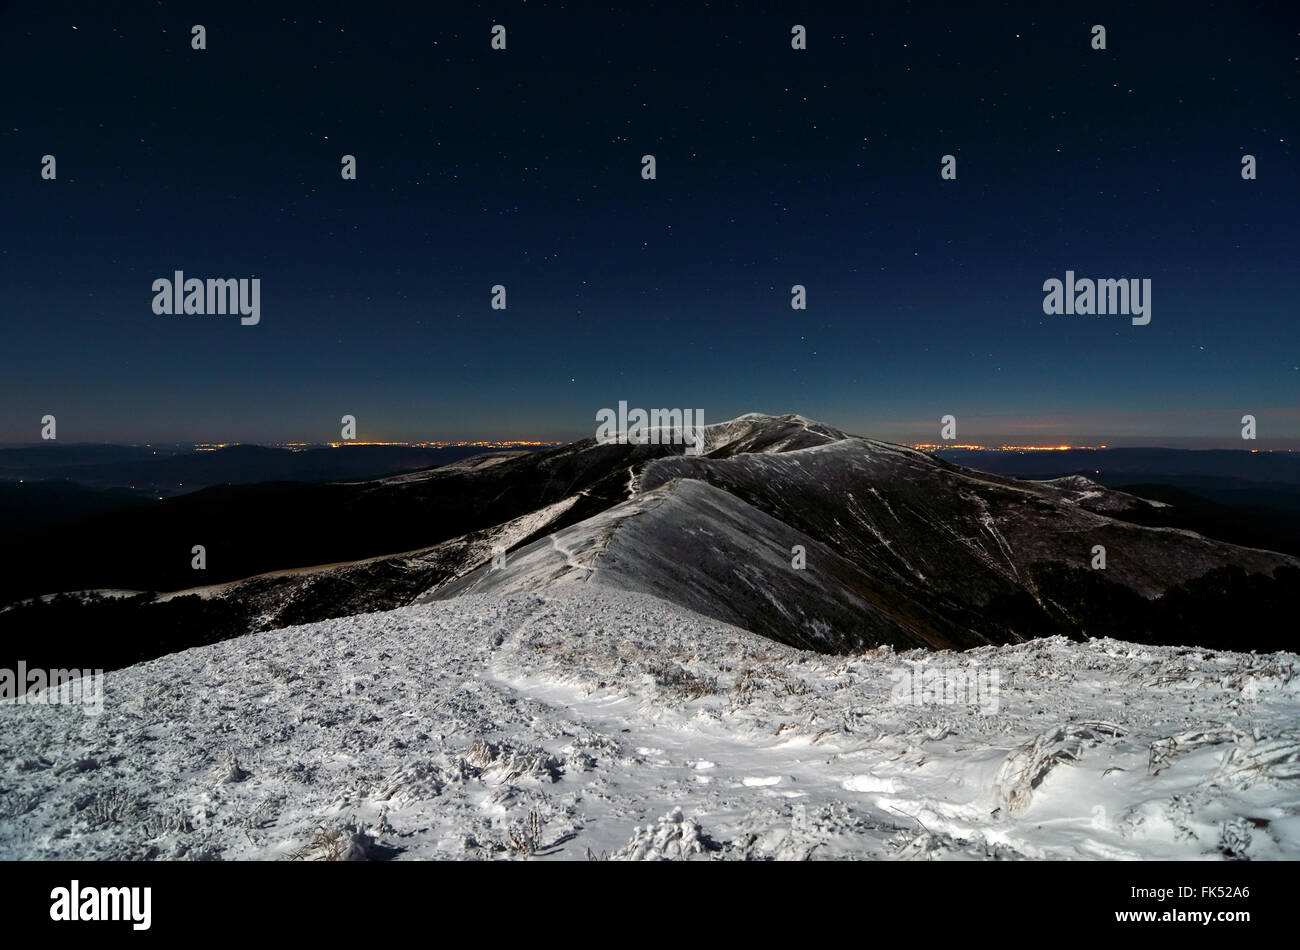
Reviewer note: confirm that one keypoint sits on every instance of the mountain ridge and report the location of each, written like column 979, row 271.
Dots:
column 1004, row 573
column 902, row 548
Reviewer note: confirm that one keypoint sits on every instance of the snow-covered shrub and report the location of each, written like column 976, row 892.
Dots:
column 672, row 838
column 1234, row 839
column 1261, row 758
column 680, row 683
column 416, row 782
column 527, row 839
column 1029, row 765
column 337, row 842
column 500, row 764
column 110, row 807
column 229, row 771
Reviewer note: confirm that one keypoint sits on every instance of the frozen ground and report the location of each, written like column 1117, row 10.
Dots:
column 590, row 722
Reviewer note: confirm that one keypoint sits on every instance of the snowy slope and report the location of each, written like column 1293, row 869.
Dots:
column 901, row 549
column 921, row 520
column 577, row 722
column 605, row 693
column 706, row 550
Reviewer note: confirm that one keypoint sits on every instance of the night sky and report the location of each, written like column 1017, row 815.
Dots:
column 775, row 167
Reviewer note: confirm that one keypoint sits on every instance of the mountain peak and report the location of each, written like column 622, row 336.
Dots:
column 763, row 433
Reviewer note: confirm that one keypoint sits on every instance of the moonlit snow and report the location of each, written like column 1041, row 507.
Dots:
column 588, row 722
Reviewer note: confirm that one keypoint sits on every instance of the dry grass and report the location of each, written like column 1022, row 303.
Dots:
column 343, row 842
column 528, row 838
column 110, row 808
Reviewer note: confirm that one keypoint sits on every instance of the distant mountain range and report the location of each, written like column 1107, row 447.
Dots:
column 1191, row 466
column 176, row 472
column 42, row 486
column 1248, row 498
column 901, row 548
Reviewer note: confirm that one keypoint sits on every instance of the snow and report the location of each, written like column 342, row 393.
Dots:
column 710, row 552
column 586, row 721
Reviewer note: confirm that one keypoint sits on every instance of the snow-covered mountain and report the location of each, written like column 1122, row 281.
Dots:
column 648, row 675
column 593, row 722
column 899, row 548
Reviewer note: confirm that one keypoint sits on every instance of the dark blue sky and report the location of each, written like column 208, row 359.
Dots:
column 775, row 167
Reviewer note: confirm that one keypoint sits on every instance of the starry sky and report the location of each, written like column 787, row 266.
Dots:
column 775, row 167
